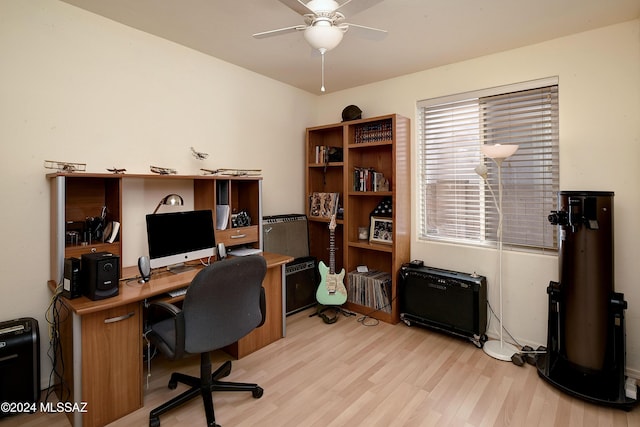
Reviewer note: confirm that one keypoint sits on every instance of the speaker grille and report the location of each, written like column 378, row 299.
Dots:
column 286, row 235
column 301, row 284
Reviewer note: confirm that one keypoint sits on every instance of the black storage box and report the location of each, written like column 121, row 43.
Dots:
column 449, row 301
column 19, row 361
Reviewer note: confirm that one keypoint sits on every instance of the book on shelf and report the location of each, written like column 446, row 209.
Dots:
column 222, row 217
column 321, row 154
column 371, row 289
column 111, row 232
column 323, row 205
column 367, row 179
column 374, row 132
column 327, row 154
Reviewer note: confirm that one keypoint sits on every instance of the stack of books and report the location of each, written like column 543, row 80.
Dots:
column 374, row 132
column 367, row 179
column 371, row 289
column 327, row 154
column 322, row 154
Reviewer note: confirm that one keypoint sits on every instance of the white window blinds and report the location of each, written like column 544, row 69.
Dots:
column 455, row 203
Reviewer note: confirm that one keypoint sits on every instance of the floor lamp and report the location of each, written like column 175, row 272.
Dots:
column 498, row 349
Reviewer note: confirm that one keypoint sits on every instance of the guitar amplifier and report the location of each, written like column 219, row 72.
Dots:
column 19, row 361
column 449, row 301
column 301, row 282
column 286, row 234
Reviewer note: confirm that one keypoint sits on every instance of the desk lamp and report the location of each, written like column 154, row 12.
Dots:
column 171, row 200
column 498, row 153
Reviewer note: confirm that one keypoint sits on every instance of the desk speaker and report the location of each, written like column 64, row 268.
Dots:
column 100, row 274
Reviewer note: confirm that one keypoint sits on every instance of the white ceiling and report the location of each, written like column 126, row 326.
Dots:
column 422, row 34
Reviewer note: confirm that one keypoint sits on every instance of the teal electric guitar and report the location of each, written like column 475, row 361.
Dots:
column 331, row 290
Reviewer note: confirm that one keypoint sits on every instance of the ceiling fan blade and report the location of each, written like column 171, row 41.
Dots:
column 362, row 30
column 348, row 7
column 279, row 31
column 297, row 6
column 351, row 7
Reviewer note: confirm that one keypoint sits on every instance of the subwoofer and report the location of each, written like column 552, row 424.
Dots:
column 100, row 275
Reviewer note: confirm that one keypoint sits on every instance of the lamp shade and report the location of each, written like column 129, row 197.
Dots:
column 499, row 151
column 322, row 35
column 322, row 6
column 171, row 200
column 482, row 170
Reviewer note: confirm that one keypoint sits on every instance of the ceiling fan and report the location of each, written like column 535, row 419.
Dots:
column 324, row 23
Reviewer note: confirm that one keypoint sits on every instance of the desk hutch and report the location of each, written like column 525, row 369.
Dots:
column 101, row 341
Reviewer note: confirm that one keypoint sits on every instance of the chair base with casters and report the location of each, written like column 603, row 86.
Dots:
column 224, row 302
column 203, row 386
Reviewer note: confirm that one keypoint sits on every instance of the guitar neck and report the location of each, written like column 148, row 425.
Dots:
column 332, row 252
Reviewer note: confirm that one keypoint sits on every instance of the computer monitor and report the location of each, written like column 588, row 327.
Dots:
column 177, row 237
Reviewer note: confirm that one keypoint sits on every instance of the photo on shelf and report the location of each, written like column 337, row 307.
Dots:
column 381, row 230
column 323, row 205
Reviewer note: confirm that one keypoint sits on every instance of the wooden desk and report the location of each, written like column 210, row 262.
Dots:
column 102, row 344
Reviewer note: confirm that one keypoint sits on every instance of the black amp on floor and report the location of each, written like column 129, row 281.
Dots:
column 449, row 301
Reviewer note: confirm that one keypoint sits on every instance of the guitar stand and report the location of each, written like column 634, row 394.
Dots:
column 321, row 309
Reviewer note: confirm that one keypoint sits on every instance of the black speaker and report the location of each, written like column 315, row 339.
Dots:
column 19, row 361
column 449, row 301
column 301, row 281
column 72, row 284
column 100, row 274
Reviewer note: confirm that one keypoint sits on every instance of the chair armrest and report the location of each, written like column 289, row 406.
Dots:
column 263, row 306
column 159, row 311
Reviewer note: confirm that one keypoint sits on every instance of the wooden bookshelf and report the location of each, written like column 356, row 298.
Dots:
column 379, row 144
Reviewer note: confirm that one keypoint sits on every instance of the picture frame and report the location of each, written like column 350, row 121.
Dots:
column 323, row 205
column 381, row 230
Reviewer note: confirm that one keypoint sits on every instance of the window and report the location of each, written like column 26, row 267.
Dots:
column 455, row 203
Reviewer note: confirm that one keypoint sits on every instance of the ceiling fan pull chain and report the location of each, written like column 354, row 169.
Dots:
column 322, row 87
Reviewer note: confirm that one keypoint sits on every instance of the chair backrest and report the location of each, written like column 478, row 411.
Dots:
column 222, row 303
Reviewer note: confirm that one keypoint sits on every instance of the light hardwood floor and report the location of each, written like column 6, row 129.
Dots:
column 348, row 374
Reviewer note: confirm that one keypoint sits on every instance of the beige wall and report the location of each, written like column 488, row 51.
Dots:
column 599, row 76
column 77, row 87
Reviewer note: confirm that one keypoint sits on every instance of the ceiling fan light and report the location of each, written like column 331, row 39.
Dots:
column 322, row 5
column 323, row 37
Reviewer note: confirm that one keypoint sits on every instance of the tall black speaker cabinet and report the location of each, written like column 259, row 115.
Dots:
column 19, row 362
column 585, row 353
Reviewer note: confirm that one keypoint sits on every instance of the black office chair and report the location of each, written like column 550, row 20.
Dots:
column 224, row 302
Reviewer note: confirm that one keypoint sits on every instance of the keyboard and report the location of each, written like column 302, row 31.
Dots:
column 177, row 292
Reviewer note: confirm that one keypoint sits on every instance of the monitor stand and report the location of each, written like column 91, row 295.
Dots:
column 179, row 268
